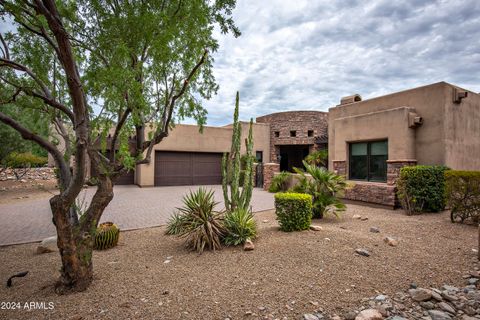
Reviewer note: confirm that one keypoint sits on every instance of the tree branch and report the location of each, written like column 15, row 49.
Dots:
column 162, row 131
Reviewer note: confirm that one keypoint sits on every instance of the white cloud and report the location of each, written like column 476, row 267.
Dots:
column 295, row 55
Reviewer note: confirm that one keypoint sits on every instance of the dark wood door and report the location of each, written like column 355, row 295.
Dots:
column 187, row 168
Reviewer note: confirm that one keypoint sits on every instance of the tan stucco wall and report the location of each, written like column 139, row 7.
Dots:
column 462, row 132
column 401, row 138
column 449, row 135
column 428, row 102
column 213, row 139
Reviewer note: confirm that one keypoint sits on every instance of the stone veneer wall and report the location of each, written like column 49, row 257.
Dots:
column 375, row 192
column 269, row 170
column 299, row 121
column 393, row 169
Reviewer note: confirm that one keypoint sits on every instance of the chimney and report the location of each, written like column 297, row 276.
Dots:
column 350, row 99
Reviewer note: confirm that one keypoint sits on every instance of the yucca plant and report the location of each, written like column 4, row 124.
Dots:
column 201, row 225
column 175, row 224
column 240, row 226
column 325, row 188
column 280, row 182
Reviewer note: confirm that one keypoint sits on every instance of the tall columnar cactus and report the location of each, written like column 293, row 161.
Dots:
column 231, row 168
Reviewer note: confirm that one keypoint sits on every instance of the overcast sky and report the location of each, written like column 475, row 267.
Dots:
column 306, row 55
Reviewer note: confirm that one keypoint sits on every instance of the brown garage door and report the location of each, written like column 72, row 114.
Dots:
column 187, row 168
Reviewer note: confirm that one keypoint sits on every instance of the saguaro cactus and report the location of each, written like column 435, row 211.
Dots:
column 231, row 168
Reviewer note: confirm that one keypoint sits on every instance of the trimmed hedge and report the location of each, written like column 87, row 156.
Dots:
column 293, row 210
column 422, row 188
column 462, row 192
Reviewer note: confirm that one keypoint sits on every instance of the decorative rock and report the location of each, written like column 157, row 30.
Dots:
column 420, row 294
column 316, row 228
column 369, row 314
column 357, row 216
column 309, row 316
column 248, row 245
column 436, row 296
column 439, row 315
column 381, row 297
column 450, row 288
column 427, row 305
column 374, row 230
column 391, row 241
column 48, row 245
column 350, row 315
column 472, row 281
column 362, row 252
column 446, row 307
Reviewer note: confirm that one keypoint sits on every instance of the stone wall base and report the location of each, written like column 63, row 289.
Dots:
column 378, row 193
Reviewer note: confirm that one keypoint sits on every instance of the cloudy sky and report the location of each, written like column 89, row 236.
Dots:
column 306, row 55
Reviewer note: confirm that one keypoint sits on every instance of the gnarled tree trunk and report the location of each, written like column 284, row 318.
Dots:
column 76, row 238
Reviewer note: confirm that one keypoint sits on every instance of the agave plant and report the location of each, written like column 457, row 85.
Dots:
column 200, row 224
column 240, row 226
column 325, row 188
column 175, row 224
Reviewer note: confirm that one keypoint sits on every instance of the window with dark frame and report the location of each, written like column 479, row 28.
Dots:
column 259, row 156
column 277, row 134
column 293, row 133
column 368, row 161
column 310, row 133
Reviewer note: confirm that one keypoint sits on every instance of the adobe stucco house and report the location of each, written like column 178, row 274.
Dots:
column 369, row 141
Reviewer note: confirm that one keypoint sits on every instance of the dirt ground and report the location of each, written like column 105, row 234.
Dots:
column 12, row 190
column 287, row 275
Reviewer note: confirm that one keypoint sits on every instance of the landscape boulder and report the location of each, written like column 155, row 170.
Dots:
column 369, row 314
column 48, row 245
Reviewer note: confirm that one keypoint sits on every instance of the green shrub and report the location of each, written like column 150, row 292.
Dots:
column 462, row 191
column 240, row 226
column 317, row 158
column 324, row 186
column 280, row 182
column 24, row 160
column 422, row 188
column 201, row 225
column 293, row 210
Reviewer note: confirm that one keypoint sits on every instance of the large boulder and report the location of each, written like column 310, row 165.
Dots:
column 48, row 245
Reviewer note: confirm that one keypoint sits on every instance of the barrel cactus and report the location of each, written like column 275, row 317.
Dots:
column 106, row 236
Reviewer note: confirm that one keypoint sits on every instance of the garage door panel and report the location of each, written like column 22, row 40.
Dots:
column 187, row 168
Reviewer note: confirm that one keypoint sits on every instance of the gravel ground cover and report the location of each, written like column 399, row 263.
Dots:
column 286, row 276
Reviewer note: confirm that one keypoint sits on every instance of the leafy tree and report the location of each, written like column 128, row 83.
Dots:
column 100, row 67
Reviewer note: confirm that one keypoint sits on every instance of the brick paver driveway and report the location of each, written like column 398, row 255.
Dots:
column 131, row 208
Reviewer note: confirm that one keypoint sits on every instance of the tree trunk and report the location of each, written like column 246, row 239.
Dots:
column 75, row 240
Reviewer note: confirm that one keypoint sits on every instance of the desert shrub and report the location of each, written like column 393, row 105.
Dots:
column 422, row 188
column 462, row 191
column 175, row 224
column 24, row 160
column 201, row 225
column 280, row 182
column 317, row 158
column 293, row 210
column 324, row 186
column 240, row 226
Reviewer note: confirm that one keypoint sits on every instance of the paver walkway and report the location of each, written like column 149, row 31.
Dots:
column 131, row 208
